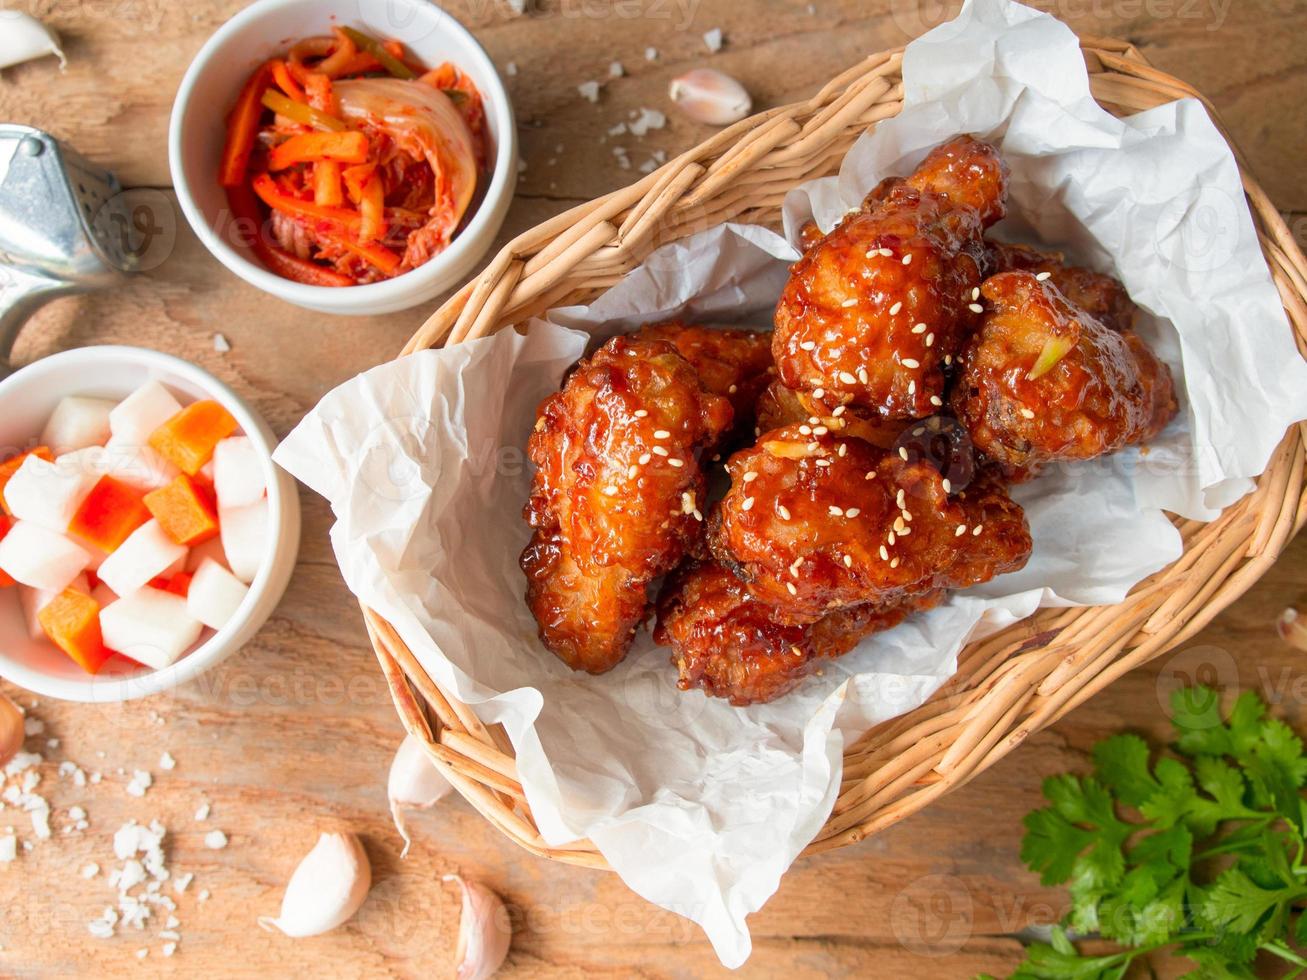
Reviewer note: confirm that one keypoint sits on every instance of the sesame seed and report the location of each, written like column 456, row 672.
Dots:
column 848, row 303
column 900, row 498
column 640, row 413
column 899, row 526
column 631, row 471
column 783, row 511
column 842, row 450
column 894, row 563
column 750, row 476
column 808, row 345
column 919, row 328
column 820, row 430
column 890, row 537
column 911, row 362
column 805, row 430
column 659, row 451
column 662, row 434
column 887, row 252
column 1043, row 276
column 732, row 389
column 678, row 463
column 907, row 259
column 905, row 532
column 872, row 252
column 975, row 292
column 814, row 420
column 907, row 514
column 862, row 375
column 813, row 446
column 819, row 393
column 847, row 378
column 836, row 511
column 610, row 490
column 936, row 401
column 823, row 462
column 871, row 475
column 884, row 553
column 644, row 458
column 912, row 387
column 930, row 339
column 793, row 590
column 1027, row 413
column 848, row 561
column 687, row 502
column 852, row 512
column 893, row 310
column 903, row 452
column 948, row 487
column 975, row 308
column 962, row 529
column 748, row 504
column 838, row 412
column 698, row 515
column 796, row 651
column 975, row 532
column 948, row 359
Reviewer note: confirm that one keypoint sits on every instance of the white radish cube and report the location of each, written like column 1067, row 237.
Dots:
column 147, row 553
column 244, row 538
column 215, row 595
column 150, row 626
column 77, row 423
column 138, row 466
column 34, row 600
column 210, row 550
column 36, row 556
column 238, row 473
column 49, row 494
column 135, row 418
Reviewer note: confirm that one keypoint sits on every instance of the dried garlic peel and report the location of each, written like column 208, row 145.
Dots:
column 326, row 889
column 484, row 931
column 1292, row 627
column 415, row 784
column 24, row 38
column 11, row 730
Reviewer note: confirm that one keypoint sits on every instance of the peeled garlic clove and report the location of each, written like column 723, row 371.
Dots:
column 326, row 889
column 484, row 931
column 708, row 96
column 1292, row 627
column 11, row 730
column 24, row 38
column 415, row 784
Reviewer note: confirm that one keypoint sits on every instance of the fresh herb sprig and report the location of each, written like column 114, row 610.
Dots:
column 1199, row 851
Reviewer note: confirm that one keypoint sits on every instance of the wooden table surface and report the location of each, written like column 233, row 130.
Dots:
column 294, row 734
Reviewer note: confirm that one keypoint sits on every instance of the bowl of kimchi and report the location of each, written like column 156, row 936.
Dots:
column 347, row 156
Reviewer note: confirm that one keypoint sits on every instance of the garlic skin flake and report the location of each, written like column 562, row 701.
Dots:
column 1292, row 627
column 11, row 724
column 710, row 96
column 484, row 931
column 326, row 889
column 24, row 38
column 415, row 784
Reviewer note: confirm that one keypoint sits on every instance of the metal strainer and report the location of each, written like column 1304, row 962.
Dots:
column 65, row 227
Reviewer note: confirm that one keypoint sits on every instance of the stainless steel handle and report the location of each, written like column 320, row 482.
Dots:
column 21, row 294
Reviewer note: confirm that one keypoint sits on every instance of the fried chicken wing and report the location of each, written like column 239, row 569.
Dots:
column 736, row 364
column 874, row 312
column 815, row 522
column 1042, row 380
column 1101, row 296
column 779, row 406
column 731, row 645
column 617, row 495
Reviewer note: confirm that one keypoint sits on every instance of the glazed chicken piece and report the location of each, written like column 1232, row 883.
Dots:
column 815, row 522
column 731, row 645
column 874, row 312
column 779, row 406
column 736, row 364
column 616, row 500
column 1101, row 296
column 1042, row 380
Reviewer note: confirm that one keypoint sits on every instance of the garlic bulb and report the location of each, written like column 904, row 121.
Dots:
column 326, row 889
column 709, row 96
column 24, row 38
column 414, row 784
column 11, row 730
column 484, row 931
column 1292, row 627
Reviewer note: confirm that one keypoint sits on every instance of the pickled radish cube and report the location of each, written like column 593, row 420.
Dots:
column 147, row 553
column 187, row 440
column 77, row 423
column 135, row 417
column 215, row 594
column 72, row 622
column 49, row 494
column 238, row 473
column 211, row 550
column 34, row 600
column 10, row 466
column 138, row 465
column 109, row 514
column 44, row 559
column 150, row 626
column 244, row 538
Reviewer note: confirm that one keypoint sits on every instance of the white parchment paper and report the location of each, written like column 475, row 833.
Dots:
column 699, row 806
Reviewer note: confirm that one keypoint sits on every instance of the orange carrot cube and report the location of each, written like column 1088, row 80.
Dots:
column 109, row 514
column 72, row 622
column 5, row 524
column 187, row 439
column 10, row 466
column 185, row 510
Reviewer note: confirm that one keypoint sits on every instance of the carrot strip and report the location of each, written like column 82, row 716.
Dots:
column 320, row 94
column 272, row 196
column 348, row 147
column 372, row 207
column 245, row 209
column 243, row 127
column 282, row 76
column 356, row 178
column 378, row 255
column 326, row 184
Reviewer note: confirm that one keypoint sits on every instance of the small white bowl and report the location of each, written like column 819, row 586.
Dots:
column 196, row 133
column 27, row 398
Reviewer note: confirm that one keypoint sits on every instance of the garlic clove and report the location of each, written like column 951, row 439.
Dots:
column 326, row 889
column 24, row 38
column 484, row 931
column 415, row 784
column 709, row 96
column 1292, row 627
column 11, row 730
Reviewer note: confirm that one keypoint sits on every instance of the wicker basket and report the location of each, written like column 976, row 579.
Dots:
column 1006, row 687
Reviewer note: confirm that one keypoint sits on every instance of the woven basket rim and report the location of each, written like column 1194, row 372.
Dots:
column 1007, row 686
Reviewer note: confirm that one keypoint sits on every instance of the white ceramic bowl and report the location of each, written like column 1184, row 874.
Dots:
column 268, row 27
column 27, row 398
